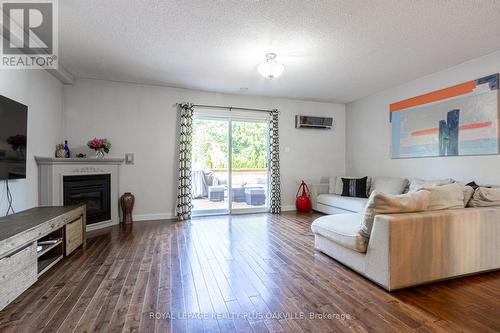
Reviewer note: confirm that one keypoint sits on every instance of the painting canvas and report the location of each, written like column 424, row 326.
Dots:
column 455, row 121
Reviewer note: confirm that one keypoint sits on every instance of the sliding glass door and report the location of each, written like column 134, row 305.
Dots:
column 248, row 165
column 210, row 168
column 229, row 171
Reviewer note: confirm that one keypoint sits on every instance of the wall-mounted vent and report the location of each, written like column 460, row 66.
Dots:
column 313, row 122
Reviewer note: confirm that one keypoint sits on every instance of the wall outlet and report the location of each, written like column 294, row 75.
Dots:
column 129, row 158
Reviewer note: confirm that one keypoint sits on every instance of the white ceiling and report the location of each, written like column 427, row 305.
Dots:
column 336, row 51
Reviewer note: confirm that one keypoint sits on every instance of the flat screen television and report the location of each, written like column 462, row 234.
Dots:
column 13, row 135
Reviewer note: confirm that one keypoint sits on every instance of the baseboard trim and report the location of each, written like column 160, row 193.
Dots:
column 99, row 225
column 151, row 217
column 288, row 208
column 167, row 216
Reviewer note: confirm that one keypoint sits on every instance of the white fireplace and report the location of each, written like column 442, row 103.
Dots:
column 57, row 175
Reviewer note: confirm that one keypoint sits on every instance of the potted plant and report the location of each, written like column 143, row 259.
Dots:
column 101, row 146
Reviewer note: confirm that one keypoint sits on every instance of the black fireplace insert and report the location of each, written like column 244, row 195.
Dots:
column 92, row 190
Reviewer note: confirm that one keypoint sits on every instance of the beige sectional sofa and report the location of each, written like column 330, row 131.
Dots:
column 415, row 248
column 409, row 249
column 326, row 198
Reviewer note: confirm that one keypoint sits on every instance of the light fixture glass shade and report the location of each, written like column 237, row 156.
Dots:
column 271, row 68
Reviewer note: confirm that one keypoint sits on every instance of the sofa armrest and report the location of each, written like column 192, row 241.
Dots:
column 437, row 245
column 317, row 189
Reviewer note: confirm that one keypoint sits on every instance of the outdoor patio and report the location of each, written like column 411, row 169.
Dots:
column 211, row 192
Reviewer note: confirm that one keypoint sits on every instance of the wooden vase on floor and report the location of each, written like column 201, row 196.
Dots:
column 127, row 201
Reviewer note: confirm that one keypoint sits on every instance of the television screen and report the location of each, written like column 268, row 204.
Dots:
column 13, row 132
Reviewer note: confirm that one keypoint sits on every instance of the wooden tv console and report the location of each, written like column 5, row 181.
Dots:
column 20, row 262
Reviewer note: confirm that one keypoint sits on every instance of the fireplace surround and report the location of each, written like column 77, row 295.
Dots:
column 92, row 181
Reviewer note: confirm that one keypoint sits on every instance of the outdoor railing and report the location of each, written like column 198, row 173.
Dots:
column 241, row 170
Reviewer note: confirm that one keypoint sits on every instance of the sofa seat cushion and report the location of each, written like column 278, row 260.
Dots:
column 351, row 204
column 342, row 229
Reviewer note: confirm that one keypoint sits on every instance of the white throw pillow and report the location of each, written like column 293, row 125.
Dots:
column 485, row 197
column 417, row 183
column 389, row 185
column 381, row 203
column 331, row 185
column 449, row 196
column 339, row 185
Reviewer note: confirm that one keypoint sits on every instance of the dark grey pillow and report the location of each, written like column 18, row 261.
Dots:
column 354, row 187
column 473, row 185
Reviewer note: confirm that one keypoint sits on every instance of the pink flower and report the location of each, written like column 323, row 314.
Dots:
column 99, row 144
column 96, row 142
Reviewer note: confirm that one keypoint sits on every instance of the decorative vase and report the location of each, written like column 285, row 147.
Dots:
column 127, row 201
column 67, row 152
column 99, row 154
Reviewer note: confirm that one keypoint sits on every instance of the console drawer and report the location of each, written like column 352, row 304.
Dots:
column 73, row 235
column 18, row 271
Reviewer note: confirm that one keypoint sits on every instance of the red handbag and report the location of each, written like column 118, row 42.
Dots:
column 303, row 202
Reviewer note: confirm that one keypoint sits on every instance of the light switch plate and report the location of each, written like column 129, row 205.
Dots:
column 129, row 158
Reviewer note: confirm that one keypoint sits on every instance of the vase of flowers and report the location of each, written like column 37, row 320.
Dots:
column 101, row 146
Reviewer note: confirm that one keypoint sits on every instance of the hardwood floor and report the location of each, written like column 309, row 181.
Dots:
column 253, row 273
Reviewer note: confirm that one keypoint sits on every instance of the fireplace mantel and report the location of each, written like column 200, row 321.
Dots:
column 98, row 161
column 51, row 173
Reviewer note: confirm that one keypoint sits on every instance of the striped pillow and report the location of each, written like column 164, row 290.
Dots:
column 354, row 187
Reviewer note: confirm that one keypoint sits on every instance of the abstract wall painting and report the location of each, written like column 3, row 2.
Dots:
column 455, row 121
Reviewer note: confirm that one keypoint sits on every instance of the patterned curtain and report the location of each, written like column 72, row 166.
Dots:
column 274, row 163
column 184, row 205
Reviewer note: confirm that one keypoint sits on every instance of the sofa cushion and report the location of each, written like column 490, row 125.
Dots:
column 336, row 184
column 389, row 185
column 332, row 185
column 355, row 187
column 347, row 203
column 468, row 194
column 485, row 197
column 449, row 196
column 341, row 229
column 381, row 203
column 473, row 185
column 417, row 183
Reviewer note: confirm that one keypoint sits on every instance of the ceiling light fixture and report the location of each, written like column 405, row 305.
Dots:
column 271, row 68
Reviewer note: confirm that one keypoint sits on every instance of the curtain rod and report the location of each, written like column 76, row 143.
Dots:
column 229, row 108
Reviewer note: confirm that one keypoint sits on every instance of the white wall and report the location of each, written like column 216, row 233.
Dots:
column 369, row 132
column 43, row 94
column 143, row 119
